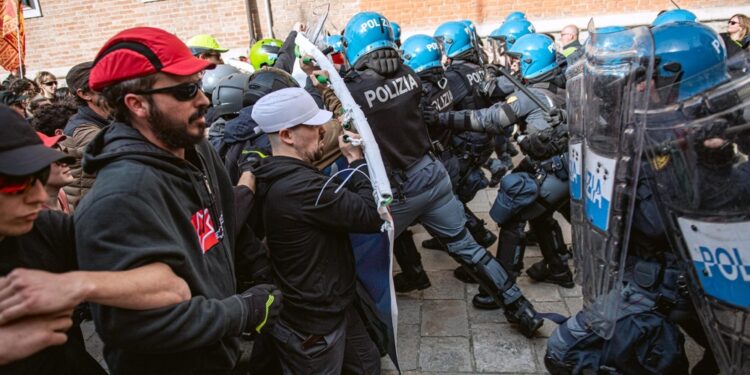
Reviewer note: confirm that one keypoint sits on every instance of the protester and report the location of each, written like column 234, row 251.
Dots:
column 51, row 119
column 205, row 47
column 319, row 332
column 738, row 28
column 47, row 82
column 80, row 129
column 36, row 306
column 59, row 176
column 161, row 194
column 13, row 101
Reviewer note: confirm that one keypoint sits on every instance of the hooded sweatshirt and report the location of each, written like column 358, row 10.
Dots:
column 311, row 254
column 149, row 206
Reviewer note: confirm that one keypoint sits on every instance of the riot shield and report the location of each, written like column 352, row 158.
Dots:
column 315, row 30
column 614, row 68
column 698, row 150
column 574, row 98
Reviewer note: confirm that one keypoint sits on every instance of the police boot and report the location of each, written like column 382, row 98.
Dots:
column 493, row 278
column 476, row 227
column 554, row 268
column 522, row 313
column 412, row 276
column 541, row 272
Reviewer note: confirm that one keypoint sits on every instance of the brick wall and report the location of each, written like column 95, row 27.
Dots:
column 72, row 31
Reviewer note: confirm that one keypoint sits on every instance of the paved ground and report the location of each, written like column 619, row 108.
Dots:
column 440, row 332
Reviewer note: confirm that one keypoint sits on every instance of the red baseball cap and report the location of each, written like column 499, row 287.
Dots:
column 50, row 141
column 142, row 51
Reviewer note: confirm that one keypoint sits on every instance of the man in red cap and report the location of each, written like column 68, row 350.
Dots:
column 39, row 281
column 161, row 194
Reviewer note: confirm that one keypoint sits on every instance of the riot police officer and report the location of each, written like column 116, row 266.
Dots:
column 682, row 110
column 465, row 76
column 389, row 94
column 538, row 188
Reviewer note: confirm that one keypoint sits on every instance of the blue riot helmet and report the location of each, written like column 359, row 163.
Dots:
column 674, row 15
column 470, row 25
column 396, row 31
column 510, row 31
column 536, row 53
column 691, row 58
column 335, row 42
column 367, row 32
column 512, row 16
column 455, row 38
column 421, row 52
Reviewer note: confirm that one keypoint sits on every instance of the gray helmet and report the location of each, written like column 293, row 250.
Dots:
column 213, row 76
column 229, row 96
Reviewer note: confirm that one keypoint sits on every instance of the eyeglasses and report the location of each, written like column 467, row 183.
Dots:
column 50, row 83
column 182, row 92
column 732, row 22
column 16, row 185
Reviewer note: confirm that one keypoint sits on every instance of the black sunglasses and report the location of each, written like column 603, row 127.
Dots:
column 182, row 92
column 732, row 22
column 50, row 83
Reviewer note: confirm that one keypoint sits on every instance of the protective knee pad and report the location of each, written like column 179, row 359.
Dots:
column 517, row 190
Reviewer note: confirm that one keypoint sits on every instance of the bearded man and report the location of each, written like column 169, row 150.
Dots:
column 161, row 194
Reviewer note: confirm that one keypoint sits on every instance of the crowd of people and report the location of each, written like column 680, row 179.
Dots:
column 186, row 205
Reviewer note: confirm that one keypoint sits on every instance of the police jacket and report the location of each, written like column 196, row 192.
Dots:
column 439, row 96
column 390, row 98
column 464, row 81
column 500, row 117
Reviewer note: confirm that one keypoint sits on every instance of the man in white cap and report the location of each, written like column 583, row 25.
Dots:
column 307, row 224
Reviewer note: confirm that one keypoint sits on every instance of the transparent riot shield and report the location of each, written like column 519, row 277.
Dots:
column 574, row 98
column 316, row 29
column 698, row 150
column 615, row 67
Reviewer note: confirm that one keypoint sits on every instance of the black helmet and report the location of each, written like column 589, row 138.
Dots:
column 268, row 80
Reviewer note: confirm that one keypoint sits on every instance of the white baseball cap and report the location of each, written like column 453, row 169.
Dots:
column 287, row 108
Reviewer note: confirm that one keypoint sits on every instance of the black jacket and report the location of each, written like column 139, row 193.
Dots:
column 311, row 254
column 148, row 205
column 49, row 246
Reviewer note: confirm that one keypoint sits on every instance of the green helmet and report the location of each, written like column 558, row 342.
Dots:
column 203, row 43
column 264, row 52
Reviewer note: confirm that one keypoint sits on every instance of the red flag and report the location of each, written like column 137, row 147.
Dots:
column 12, row 35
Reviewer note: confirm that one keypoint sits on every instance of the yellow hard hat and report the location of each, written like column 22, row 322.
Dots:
column 203, row 43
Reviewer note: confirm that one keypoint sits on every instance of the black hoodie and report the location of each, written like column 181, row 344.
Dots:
column 311, row 254
column 149, row 206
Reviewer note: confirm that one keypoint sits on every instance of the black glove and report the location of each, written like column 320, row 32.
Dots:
column 545, row 144
column 251, row 162
column 555, row 116
column 717, row 156
column 430, row 115
column 264, row 305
